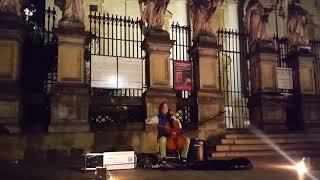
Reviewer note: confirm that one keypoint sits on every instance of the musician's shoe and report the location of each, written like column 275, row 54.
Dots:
column 183, row 160
column 165, row 165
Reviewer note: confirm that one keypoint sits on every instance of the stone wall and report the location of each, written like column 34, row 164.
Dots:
column 41, row 146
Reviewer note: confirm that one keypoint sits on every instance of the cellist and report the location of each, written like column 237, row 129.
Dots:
column 162, row 119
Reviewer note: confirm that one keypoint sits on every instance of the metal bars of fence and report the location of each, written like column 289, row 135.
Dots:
column 232, row 63
column 315, row 47
column 179, row 51
column 115, row 36
column 282, row 49
column 186, row 109
column 43, row 48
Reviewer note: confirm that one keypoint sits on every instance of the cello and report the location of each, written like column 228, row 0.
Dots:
column 175, row 140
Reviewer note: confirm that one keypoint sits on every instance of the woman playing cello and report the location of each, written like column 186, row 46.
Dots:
column 169, row 132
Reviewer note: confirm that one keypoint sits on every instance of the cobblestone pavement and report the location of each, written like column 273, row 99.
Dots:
column 264, row 169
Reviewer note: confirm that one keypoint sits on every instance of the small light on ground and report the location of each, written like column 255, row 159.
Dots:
column 301, row 167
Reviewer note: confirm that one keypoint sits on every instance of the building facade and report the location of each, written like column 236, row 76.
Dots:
column 102, row 67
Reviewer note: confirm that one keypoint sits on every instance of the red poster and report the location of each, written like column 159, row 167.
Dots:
column 183, row 75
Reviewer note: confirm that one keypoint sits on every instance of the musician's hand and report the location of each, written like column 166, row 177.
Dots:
column 148, row 121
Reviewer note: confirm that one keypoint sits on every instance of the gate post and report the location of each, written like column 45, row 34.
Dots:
column 267, row 106
column 70, row 97
column 11, row 44
column 157, row 45
column 306, row 102
column 210, row 95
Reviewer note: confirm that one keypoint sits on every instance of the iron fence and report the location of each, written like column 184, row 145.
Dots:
column 315, row 47
column 234, row 77
column 39, row 70
column 117, row 116
column 186, row 102
column 115, row 36
column 282, row 49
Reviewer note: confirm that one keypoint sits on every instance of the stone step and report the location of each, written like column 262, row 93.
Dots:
column 275, row 140
column 262, row 153
column 284, row 135
column 259, row 147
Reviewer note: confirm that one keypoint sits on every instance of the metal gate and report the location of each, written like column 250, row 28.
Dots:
column 186, row 102
column 315, row 44
column 39, row 70
column 115, row 36
column 234, row 77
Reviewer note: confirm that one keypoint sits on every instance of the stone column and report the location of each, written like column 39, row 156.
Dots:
column 11, row 42
column 157, row 45
column 306, row 102
column 267, row 107
column 210, row 95
column 70, row 97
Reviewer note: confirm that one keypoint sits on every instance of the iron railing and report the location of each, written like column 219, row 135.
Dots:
column 315, row 47
column 234, row 77
column 115, row 36
column 282, row 49
column 186, row 107
column 41, row 52
column 39, row 70
column 115, row 117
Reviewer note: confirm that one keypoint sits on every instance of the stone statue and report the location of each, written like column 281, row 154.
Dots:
column 153, row 12
column 13, row 6
column 300, row 26
column 72, row 11
column 256, row 22
column 201, row 12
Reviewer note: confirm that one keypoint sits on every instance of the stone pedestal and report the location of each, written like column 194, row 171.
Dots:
column 268, row 111
column 11, row 41
column 157, row 45
column 267, row 106
column 306, row 102
column 70, row 97
column 210, row 95
column 69, row 108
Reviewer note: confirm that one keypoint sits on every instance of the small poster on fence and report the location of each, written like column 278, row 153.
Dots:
column 183, row 75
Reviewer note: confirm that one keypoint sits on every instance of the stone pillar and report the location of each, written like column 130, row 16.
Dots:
column 267, row 107
column 11, row 41
column 306, row 102
column 157, row 45
column 210, row 95
column 70, row 97
column 231, row 10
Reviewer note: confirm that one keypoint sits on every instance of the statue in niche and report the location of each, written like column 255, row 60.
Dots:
column 300, row 26
column 12, row 6
column 153, row 13
column 256, row 22
column 72, row 11
column 201, row 12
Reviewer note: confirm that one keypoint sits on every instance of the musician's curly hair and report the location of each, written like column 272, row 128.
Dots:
column 161, row 106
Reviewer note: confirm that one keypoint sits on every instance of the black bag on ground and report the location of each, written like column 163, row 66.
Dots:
column 233, row 164
column 197, row 150
column 145, row 160
column 240, row 163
